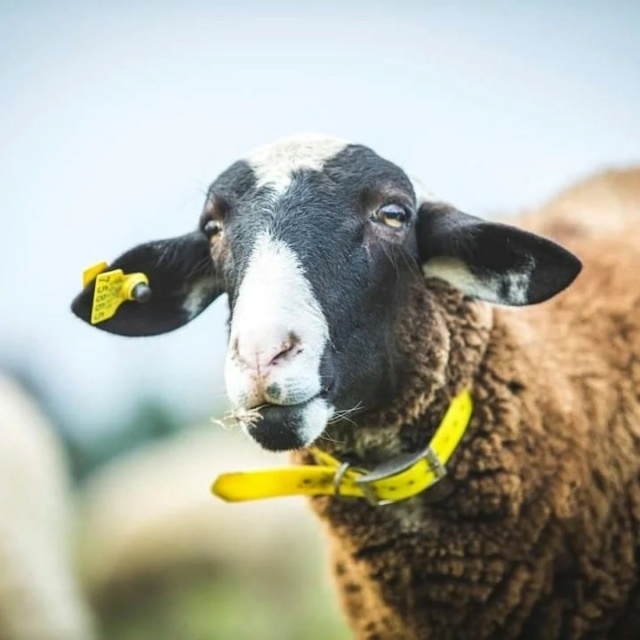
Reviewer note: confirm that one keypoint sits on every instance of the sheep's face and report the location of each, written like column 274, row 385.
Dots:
column 316, row 242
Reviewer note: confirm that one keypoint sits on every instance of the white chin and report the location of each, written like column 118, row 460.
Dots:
column 315, row 417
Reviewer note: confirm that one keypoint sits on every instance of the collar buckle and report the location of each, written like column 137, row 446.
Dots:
column 337, row 479
column 393, row 467
column 437, row 466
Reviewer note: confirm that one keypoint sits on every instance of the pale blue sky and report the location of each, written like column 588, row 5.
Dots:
column 115, row 116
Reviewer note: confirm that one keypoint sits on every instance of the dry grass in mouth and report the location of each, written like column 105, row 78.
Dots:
column 238, row 417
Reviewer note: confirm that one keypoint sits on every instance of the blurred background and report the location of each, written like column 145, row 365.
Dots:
column 114, row 118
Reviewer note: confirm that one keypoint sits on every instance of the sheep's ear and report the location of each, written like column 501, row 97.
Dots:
column 490, row 261
column 182, row 280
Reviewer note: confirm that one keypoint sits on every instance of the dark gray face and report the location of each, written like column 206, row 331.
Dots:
column 316, row 242
column 316, row 258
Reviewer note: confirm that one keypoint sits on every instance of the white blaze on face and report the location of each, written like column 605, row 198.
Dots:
column 275, row 301
column 274, row 164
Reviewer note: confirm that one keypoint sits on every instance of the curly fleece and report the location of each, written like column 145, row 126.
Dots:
column 536, row 531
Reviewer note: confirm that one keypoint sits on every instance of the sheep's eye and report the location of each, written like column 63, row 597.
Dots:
column 211, row 228
column 393, row 215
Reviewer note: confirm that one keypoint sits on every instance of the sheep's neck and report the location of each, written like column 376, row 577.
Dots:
column 441, row 344
column 429, row 550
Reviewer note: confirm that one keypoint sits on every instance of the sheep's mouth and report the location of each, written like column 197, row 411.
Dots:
column 288, row 427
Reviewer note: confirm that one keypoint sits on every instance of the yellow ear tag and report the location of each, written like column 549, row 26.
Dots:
column 112, row 289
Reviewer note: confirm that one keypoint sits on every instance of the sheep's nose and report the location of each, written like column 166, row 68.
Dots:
column 261, row 353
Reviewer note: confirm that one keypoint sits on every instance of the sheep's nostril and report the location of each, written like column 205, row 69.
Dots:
column 261, row 352
column 290, row 347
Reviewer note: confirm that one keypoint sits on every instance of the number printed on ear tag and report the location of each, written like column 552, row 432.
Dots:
column 108, row 296
column 112, row 289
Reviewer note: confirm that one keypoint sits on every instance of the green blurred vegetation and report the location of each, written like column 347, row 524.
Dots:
column 200, row 607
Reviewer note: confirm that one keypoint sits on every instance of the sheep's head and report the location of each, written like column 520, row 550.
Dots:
column 317, row 242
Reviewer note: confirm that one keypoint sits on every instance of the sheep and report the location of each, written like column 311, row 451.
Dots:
column 362, row 308
column 147, row 521
column 39, row 594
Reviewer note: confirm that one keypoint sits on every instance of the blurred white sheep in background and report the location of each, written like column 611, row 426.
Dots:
column 150, row 525
column 39, row 596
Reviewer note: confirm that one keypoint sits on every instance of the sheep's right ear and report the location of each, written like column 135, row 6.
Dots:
column 183, row 283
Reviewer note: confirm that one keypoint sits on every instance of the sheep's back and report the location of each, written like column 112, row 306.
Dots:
column 603, row 204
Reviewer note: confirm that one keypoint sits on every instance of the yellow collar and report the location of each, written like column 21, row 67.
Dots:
column 397, row 479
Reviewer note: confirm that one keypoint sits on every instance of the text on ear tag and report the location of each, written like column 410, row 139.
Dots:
column 113, row 288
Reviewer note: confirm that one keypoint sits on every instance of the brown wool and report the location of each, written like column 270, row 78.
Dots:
column 538, row 533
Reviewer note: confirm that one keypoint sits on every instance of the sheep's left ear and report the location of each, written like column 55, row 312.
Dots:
column 491, row 261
